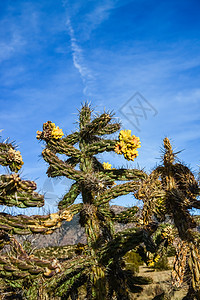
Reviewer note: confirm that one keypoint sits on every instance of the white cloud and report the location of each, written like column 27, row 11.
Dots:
column 78, row 60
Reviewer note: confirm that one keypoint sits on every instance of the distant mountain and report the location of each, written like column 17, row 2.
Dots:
column 70, row 233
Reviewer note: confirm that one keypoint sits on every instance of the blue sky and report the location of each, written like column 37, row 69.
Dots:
column 119, row 55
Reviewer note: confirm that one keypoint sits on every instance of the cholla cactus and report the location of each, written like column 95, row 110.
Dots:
column 98, row 265
column 171, row 190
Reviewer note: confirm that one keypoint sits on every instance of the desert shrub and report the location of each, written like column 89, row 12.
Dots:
column 162, row 263
column 133, row 261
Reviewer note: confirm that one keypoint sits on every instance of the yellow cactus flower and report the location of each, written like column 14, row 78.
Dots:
column 106, row 166
column 135, row 141
column 120, row 147
column 125, row 135
column 131, row 154
column 127, row 145
column 57, row 133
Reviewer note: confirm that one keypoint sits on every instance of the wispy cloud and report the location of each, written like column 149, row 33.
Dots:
column 92, row 19
column 78, row 60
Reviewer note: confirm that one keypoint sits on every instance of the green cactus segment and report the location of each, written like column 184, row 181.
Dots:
column 58, row 167
column 71, row 284
column 62, row 147
column 22, row 200
column 24, row 225
column 27, row 266
column 20, row 193
column 70, row 197
column 100, row 146
column 74, row 271
column 12, row 183
column 109, row 129
column 116, row 191
column 127, row 216
column 84, row 115
column 94, row 126
column 125, row 241
column 71, row 139
column 125, row 174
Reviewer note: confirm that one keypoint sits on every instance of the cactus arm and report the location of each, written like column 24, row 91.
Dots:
column 153, row 197
column 84, row 116
column 23, row 265
column 125, row 174
column 24, row 225
column 70, row 197
column 72, row 270
column 22, row 200
column 109, row 129
column 127, row 216
column 17, row 192
column 94, row 126
column 100, row 146
column 194, row 204
column 62, row 147
column 72, row 161
column 58, row 167
column 71, row 285
column 30, row 267
column 116, row 191
column 123, row 242
column 71, row 139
